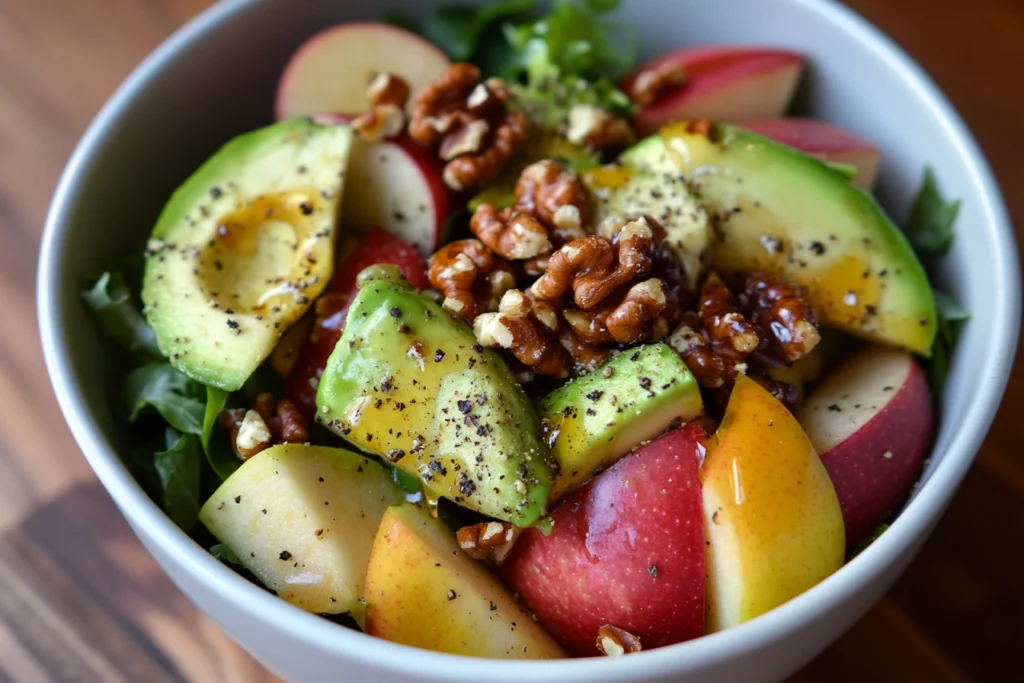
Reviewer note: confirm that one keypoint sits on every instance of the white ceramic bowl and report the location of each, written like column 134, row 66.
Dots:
column 216, row 77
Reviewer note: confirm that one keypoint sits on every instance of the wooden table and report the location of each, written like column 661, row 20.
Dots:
column 80, row 600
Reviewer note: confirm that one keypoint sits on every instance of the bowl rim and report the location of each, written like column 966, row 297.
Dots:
column 902, row 539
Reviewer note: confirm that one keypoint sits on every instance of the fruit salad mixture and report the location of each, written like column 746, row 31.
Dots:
column 498, row 344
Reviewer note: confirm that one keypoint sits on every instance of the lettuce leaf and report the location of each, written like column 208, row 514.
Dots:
column 165, row 389
column 118, row 316
column 179, row 468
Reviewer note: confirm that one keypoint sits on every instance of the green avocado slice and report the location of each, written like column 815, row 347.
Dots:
column 243, row 247
column 778, row 210
column 599, row 417
column 408, row 382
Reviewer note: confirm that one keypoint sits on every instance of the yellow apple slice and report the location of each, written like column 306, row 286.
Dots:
column 422, row 590
column 772, row 518
column 302, row 519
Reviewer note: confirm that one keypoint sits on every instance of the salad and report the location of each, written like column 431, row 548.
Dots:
column 498, row 343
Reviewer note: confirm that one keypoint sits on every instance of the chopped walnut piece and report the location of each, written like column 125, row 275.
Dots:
column 488, row 541
column 710, row 369
column 556, row 197
column 471, row 122
column 465, row 139
column 471, row 278
column 294, row 425
column 633, row 319
column 385, row 119
column 483, row 166
column 585, row 356
column 442, row 103
column 717, row 344
column 593, row 267
column 723, row 320
column 388, row 88
column 509, row 232
column 253, row 435
column 650, row 85
column 613, row 641
column 268, row 422
column 782, row 311
column 595, row 128
column 519, row 329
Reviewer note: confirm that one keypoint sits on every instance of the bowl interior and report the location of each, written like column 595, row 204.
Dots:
column 218, row 79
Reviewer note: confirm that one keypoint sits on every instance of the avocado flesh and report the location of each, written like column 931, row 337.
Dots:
column 243, row 247
column 623, row 191
column 302, row 519
column 780, row 211
column 407, row 381
column 599, row 417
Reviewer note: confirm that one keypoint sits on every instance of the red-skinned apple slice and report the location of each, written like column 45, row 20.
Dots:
column 311, row 351
column 726, row 84
column 397, row 185
column 627, row 550
column 826, row 142
column 871, row 421
column 331, row 71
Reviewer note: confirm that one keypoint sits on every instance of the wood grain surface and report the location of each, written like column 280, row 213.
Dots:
column 80, row 600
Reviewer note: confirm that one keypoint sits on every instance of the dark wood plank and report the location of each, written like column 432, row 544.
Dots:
column 81, row 601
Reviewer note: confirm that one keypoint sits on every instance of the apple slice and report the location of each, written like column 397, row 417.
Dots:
column 422, row 590
column 395, row 184
column 773, row 522
column 627, row 550
column 827, row 142
column 331, row 71
column 303, row 518
column 726, row 84
column 871, row 420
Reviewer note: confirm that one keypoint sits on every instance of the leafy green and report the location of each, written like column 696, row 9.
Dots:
column 508, row 38
column 951, row 319
column 225, row 554
column 169, row 392
column 459, row 30
column 118, row 316
column 174, row 416
column 574, row 39
column 570, row 56
column 222, row 459
column 930, row 225
column 179, row 468
column 869, row 539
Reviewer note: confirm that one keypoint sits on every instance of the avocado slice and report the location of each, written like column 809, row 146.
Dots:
column 408, row 381
column 625, row 192
column 781, row 211
column 302, row 519
column 599, row 417
column 243, row 247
